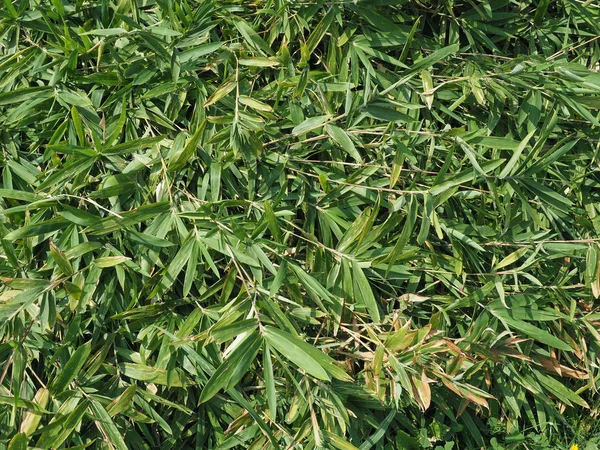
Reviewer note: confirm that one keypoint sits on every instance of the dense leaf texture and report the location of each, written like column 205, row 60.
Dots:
column 280, row 224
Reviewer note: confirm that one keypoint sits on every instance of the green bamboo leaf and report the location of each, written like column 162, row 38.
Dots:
column 32, row 418
column 71, row 369
column 271, row 393
column 68, row 149
column 530, row 330
column 423, row 64
column 254, row 104
column 465, row 176
column 317, row 34
column 340, row 136
column 21, row 95
column 252, row 37
column 181, row 158
column 337, row 442
column 230, row 372
column 133, row 146
column 307, row 357
column 110, row 261
column 315, row 290
column 221, row 92
column 45, row 227
column 108, row 427
column 70, row 169
column 59, row 430
column 154, row 375
column 384, row 113
column 127, row 219
column 406, row 234
column 410, row 39
column 18, row 442
column 379, row 433
column 494, row 142
column 310, row 124
column 11, row 9
column 199, row 51
column 548, row 195
column 561, row 391
column 122, row 402
column 105, row 32
column 258, row 62
column 461, row 237
column 363, row 293
column 61, row 259
column 508, row 169
column 33, row 406
column 224, row 333
column 20, row 195
column 78, row 216
column 510, row 259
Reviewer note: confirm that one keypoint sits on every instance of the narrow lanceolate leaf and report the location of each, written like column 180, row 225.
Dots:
column 511, row 258
column 310, row 124
column 304, row 355
column 105, row 423
column 61, row 260
column 122, row 402
column 229, row 373
column 20, row 95
column 18, row 442
column 379, row 433
column 174, row 268
column 270, row 383
column 548, row 195
column 221, row 92
column 465, row 177
column 71, row 369
column 153, row 375
column 512, row 162
column 363, row 293
column 252, row 38
column 20, row 195
column 181, row 158
column 342, row 138
column 427, row 88
column 133, row 146
column 258, row 62
column 21, row 403
column 593, row 269
column 124, row 220
column 315, row 290
column 406, row 234
column 520, row 326
column 37, row 229
column 32, row 419
column 423, row 64
column 317, row 34
column 562, row 392
column 63, row 426
column 337, row 442
column 254, row 104
column 110, row 261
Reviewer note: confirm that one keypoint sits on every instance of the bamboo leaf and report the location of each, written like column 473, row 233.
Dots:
column 339, row 136
column 71, row 369
column 308, row 358
column 229, row 373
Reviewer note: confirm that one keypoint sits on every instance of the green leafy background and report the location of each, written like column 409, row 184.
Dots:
column 280, row 224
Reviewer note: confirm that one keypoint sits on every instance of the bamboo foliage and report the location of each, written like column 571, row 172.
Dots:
column 276, row 224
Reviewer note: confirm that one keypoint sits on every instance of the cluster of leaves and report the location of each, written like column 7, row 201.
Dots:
column 283, row 224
